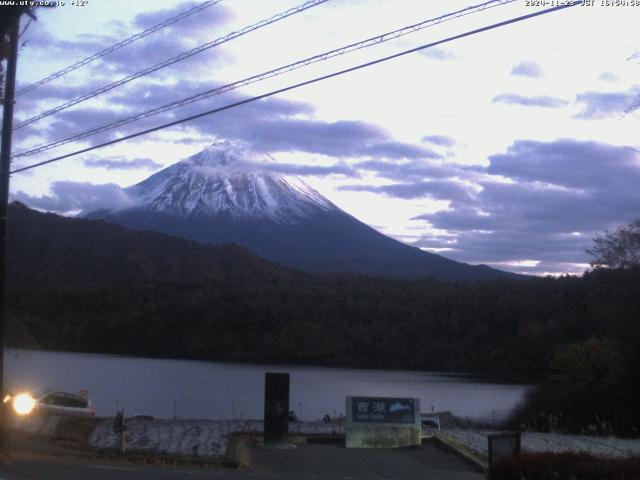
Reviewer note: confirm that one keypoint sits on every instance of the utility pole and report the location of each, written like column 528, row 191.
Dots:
column 5, row 166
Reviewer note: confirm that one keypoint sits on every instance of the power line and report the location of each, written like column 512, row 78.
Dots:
column 117, row 46
column 302, row 84
column 172, row 60
column 270, row 74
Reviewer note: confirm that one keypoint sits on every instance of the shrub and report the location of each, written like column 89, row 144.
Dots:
column 565, row 466
column 585, row 394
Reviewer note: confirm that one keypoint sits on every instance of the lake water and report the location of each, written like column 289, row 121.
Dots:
column 215, row 390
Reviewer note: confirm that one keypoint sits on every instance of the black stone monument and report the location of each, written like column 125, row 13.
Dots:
column 276, row 409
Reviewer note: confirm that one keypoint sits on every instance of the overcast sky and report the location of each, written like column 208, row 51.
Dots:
column 511, row 148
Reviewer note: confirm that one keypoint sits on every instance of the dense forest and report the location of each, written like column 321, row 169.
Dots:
column 501, row 327
column 89, row 286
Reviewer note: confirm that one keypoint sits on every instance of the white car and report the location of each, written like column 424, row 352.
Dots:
column 62, row 403
column 52, row 402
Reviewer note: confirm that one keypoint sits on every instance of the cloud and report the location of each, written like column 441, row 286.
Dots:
column 54, row 92
column 273, row 125
column 516, row 251
column 136, row 98
column 568, row 163
column 394, row 149
column 435, row 189
column 528, row 69
column 38, row 37
column 540, row 101
column 206, row 19
column 156, row 51
column 268, row 125
column 312, row 170
column 241, row 158
column 440, row 140
column 175, row 40
column 599, row 105
column 540, row 202
column 168, row 42
column 45, row 97
column 414, row 169
column 340, row 138
column 71, row 122
column 157, row 47
column 69, row 197
column 437, row 54
column 608, row 77
column 122, row 163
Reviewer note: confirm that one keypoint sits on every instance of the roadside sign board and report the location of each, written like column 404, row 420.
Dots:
column 383, row 410
column 382, row 422
column 501, row 445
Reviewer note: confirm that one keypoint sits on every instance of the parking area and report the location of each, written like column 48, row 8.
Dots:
column 33, row 459
column 325, row 461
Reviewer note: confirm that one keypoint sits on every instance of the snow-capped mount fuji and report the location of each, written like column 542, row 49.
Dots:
column 226, row 179
column 227, row 194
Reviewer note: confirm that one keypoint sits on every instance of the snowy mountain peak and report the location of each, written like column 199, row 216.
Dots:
column 226, row 178
column 224, row 153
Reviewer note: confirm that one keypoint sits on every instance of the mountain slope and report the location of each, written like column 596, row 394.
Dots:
column 47, row 251
column 227, row 180
column 225, row 194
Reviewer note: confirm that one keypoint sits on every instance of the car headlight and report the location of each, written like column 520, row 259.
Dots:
column 24, row 404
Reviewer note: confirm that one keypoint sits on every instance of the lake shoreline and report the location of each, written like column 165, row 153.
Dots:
column 188, row 389
column 514, row 379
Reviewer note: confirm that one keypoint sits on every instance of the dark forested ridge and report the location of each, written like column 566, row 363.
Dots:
column 48, row 251
column 88, row 286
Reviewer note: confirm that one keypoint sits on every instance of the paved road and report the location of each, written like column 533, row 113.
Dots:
column 321, row 462
column 318, row 462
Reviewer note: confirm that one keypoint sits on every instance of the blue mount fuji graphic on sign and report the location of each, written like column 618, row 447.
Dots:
column 398, row 407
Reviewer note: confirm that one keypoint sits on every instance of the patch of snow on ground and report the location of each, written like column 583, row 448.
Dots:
column 476, row 440
column 206, row 438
